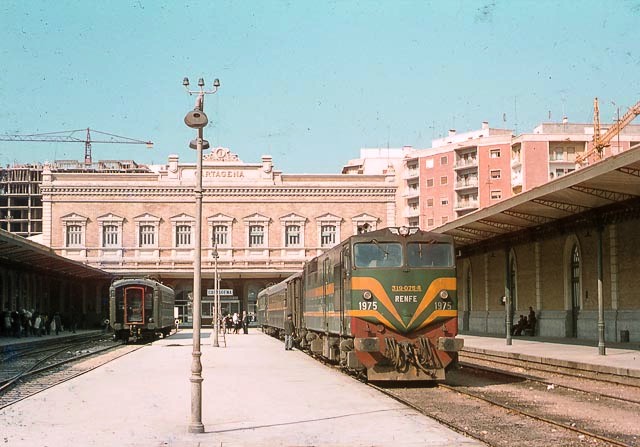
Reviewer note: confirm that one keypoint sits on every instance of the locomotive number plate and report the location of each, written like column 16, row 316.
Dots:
column 367, row 305
column 443, row 305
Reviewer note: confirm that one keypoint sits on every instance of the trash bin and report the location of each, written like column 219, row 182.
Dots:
column 624, row 336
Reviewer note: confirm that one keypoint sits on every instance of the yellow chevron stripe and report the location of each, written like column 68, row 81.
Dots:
column 438, row 314
column 371, row 314
column 435, row 286
column 372, row 284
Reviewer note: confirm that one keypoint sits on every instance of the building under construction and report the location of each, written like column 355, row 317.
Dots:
column 21, row 198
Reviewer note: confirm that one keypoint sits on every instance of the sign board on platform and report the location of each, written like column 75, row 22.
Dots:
column 221, row 292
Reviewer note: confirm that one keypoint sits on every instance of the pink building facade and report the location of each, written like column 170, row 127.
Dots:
column 464, row 172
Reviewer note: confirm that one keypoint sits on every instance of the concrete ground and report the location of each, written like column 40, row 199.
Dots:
column 619, row 359
column 254, row 393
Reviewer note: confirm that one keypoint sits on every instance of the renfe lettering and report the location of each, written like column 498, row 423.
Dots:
column 405, row 298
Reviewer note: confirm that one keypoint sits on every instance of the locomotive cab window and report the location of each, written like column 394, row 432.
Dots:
column 378, row 254
column 422, row 254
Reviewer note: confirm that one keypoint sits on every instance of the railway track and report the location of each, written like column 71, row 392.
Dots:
column 500, row 408
column 28, row 371
column 502, row 362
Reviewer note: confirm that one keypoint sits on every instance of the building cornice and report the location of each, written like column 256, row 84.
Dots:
column 273, row 191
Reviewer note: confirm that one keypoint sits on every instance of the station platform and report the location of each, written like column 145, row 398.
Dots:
column 254, row 393
column 621, row 359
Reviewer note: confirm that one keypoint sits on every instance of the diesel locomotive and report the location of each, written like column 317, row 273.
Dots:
column 140, row 309
column 382, row 303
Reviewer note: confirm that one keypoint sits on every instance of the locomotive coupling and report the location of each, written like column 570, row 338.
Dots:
column 346, row 345
column 370, row 344
column 450, row 344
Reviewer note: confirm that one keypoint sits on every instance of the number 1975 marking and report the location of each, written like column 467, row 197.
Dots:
column 367, row 305
column 443, row 305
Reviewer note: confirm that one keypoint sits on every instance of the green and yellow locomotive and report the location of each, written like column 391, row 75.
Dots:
column 382, row 302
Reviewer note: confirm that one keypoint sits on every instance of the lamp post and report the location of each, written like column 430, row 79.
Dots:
column 216, row 300
column 197, row 119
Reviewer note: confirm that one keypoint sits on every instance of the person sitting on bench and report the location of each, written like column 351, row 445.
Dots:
column 519, row 326
column 530, row 329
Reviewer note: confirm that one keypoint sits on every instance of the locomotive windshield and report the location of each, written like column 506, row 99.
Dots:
column 378, row 254
column 429, row 254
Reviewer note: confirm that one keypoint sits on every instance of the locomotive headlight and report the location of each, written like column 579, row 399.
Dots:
column 367, row 295
column 151, row 320
column 444, row 294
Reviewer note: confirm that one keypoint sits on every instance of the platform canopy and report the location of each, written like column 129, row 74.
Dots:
column 605, row 192
column 17, row 251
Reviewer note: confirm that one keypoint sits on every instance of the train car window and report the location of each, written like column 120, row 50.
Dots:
column 312, row 266
column 423, row 254
column 133, row 298
column 378, row 254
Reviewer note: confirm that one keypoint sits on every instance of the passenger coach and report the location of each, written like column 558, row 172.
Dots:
column 140, row 308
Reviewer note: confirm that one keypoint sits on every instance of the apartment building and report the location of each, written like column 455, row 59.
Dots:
column 551, row 150
column 463, row 172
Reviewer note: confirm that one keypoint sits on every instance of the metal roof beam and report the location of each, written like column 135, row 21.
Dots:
column 603, row 193
column 532, row 218
column 630, row 171
column 501, row 225
column 483, row 234
column 571, row 208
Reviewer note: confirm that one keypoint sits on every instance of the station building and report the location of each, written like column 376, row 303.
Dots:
column 259, row 224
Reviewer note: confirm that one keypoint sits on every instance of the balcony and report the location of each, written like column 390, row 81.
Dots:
column 562, row 159
column 466, row 163
column 410, row 192
column 471, row 183
column 410, row 173
column 515, row 161
column 516, row 180
column 411, row 211
column 466, row 205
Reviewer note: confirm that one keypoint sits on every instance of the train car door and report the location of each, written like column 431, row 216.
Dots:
column 345, row 290
column 134, row 305
column 326, row 274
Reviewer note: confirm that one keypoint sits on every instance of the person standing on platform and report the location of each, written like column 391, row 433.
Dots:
column 245, row 322
column 58, row 322
column 289, row 332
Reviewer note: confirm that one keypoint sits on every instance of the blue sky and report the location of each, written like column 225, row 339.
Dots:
column 309, row 82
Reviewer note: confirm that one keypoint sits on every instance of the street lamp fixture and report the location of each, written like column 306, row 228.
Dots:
column 197, row 119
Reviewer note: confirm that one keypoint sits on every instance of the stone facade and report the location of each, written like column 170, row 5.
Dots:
column 265, row 223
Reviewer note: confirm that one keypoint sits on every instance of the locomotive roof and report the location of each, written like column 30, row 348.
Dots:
column 393, row 232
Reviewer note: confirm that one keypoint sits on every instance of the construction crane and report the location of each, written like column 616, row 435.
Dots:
column 68, row 137
column 602, row 141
